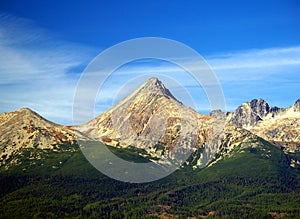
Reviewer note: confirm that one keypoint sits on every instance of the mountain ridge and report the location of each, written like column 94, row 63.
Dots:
column 152, row 118
column 280, row 126
column 234, row 175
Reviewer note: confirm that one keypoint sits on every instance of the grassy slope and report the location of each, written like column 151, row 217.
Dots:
column 245, row 185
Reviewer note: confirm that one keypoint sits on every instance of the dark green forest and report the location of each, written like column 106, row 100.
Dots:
column 65, row 185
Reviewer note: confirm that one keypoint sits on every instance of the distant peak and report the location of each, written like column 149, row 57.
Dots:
column 257, row 101
column 25, row 109
column 297, row 105
column 154, row 82
column 154, row 85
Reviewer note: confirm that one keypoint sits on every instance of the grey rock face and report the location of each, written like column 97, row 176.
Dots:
column 296, row 106
column 260, row 107
column 219, row 114
column 250, row 113
column 277, row 125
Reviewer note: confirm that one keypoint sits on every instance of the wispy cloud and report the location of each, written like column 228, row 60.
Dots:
column 266, row 73
column 270, row 73
column 257, row 58
column 255, row 64
column 37, row 70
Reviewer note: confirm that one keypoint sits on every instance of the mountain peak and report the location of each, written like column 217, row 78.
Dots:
column 28, row 112
column 154, row 85
column 296, row 105
column 153, row 80
column 6, row 116
column 258, row 102
column 250, row 113
column 260, row 107
column 25, row 109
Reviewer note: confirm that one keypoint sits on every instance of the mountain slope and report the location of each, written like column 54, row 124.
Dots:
column 247, row 183
column 26, row 129
column 149, row 118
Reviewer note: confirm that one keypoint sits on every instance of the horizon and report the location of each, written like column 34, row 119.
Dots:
column 252, row 47
column 204, row 112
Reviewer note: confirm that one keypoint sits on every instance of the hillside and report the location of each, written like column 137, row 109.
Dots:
column 255, row 183
column 248, row 167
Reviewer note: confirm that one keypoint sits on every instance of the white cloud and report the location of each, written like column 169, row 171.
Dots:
column 37, row 70
column 255, row 64
column 258, row 66
column 270, row 73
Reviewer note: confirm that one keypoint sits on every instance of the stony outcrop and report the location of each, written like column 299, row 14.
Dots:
column 251, row 113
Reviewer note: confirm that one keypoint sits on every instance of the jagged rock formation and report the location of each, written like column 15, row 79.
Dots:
column 282, row 129
column 296, row 106
column 250, row 113
column 280, row 126
column 26, row 129
column 219, row 114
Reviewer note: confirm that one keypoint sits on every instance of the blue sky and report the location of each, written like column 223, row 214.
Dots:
column 252, row 46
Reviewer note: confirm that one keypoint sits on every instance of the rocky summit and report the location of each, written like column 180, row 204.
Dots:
column 280, row 126
column 296, row 106
column 250, row 113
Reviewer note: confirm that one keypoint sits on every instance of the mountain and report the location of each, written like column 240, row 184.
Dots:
column 280, row 126
column 283, row 129
column 153, row 120
column 44, row 174
column 150, row 118
column 26, row 129
column 251, row 113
